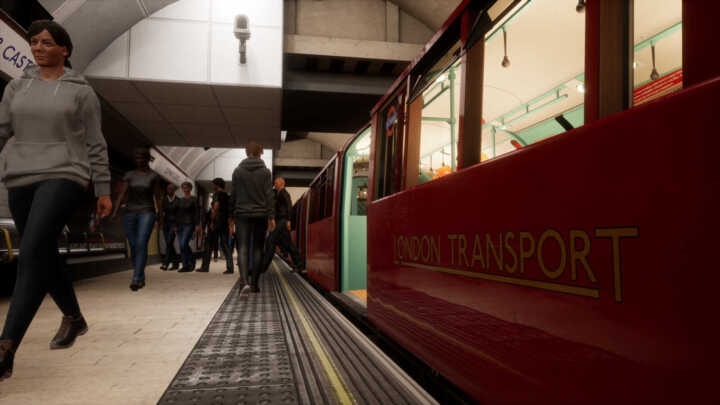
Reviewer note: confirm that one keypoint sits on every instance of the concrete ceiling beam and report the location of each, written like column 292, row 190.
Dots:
column 350, row 48
column 337, row 83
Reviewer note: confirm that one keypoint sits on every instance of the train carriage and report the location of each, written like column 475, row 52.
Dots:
column 538, row 205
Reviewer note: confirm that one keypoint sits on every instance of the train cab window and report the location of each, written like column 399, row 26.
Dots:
column 439, row 123
column 534, row 64
column 657, row 64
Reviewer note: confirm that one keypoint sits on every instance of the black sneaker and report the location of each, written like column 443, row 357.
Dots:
column 185, row 270
column 70, row 329
column 134, row 286
column 175, row 266
column 201, row 270
column 7, row 357
column 164, row 267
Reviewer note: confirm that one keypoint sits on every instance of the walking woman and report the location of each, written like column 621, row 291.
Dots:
column 58, row 149
column 141, row 186
column 188, row 220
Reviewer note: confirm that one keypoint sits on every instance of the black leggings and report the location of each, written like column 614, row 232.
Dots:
column 40, row 211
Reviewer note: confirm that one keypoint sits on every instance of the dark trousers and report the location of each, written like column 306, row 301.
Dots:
column 170, row 254
column 40, row 212
column 281, row 237
column 217, row 236
column 250, row 235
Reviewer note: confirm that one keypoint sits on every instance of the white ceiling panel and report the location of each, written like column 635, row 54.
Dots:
column 254, row 97
column 138, row 112
column 177, row 93
column 160, row 133
column 191, row 114
column 239, row 116
column 117, row 90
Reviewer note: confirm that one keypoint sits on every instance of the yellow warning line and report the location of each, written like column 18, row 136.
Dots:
column 343, row 394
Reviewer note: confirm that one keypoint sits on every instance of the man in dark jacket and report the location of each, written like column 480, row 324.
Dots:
column 281, row 235
column 253, row 207
column 218, row 227
column 168, row 221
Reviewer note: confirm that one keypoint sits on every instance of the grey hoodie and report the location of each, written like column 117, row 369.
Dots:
column 252, row 192
column 56, row 125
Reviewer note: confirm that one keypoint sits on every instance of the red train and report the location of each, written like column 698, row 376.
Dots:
column 521, row 223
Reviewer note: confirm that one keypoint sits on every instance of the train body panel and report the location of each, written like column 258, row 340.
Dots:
column 563, row 267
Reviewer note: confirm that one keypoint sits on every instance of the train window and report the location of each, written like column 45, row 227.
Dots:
column 533, row 75
column 439, row 123
column 317, row 198
column 355, row 182
column 657, row 63
column 329, row 190
column 390, row 144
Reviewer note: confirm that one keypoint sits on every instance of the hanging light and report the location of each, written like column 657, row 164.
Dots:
column 580, row 6
column 654, row 75
column 506, row 60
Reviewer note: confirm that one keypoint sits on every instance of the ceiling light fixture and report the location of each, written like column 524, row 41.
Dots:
column 242, row 33
column 441, row 78
column 581, row 88
column 506, row 60
column 654, row 75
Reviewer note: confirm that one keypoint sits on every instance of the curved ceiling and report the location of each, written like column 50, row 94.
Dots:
column 95, row 24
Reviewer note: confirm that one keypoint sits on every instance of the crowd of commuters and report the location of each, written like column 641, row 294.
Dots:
column 59, row 151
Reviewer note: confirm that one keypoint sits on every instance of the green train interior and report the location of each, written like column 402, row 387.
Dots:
column 353, row 220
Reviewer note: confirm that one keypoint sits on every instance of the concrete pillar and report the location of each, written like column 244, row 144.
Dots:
column 392, row 22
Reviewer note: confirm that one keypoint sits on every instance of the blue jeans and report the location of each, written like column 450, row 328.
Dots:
column 40, row 212
column 138, row 227
column 185, row 233
column 169, row 233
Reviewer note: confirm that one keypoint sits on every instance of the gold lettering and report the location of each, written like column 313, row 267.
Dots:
column 452, row 238
column 462, row 246
column 526, row 254
column 425, row 249
column 415, row 247
column 616, row 234
column 581, row 255
column 513, row 268
column 557, row 272
column 497, row 254
column 435, row 245
column 477, row 252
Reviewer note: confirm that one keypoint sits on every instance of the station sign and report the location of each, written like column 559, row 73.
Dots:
column 15, row 53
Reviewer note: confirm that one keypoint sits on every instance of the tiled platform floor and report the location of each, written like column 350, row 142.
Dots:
column 135, row 346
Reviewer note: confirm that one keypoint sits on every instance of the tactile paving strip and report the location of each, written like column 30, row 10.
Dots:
column 241, row 358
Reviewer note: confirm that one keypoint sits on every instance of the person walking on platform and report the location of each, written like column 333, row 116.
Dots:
column 218, row 227
column 188, row 221
column 168, row 221
column 58, row 150
column 141, row 186
column 281, row 236
column 253, row 209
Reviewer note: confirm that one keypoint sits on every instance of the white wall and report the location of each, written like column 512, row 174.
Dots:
column 193, row 41
column 224, row 165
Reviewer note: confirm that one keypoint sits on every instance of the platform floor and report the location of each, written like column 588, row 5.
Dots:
column 136, row 343
column 198, row 338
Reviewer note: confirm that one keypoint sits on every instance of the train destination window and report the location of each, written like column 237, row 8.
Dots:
column 317, row 198
column 657, row 63
column 533, row 75
column 390, row 144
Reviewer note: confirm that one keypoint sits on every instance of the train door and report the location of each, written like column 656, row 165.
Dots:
column 353, row 217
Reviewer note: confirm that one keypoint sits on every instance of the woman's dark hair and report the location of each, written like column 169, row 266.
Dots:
column 61, row 37
column 187, row 183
